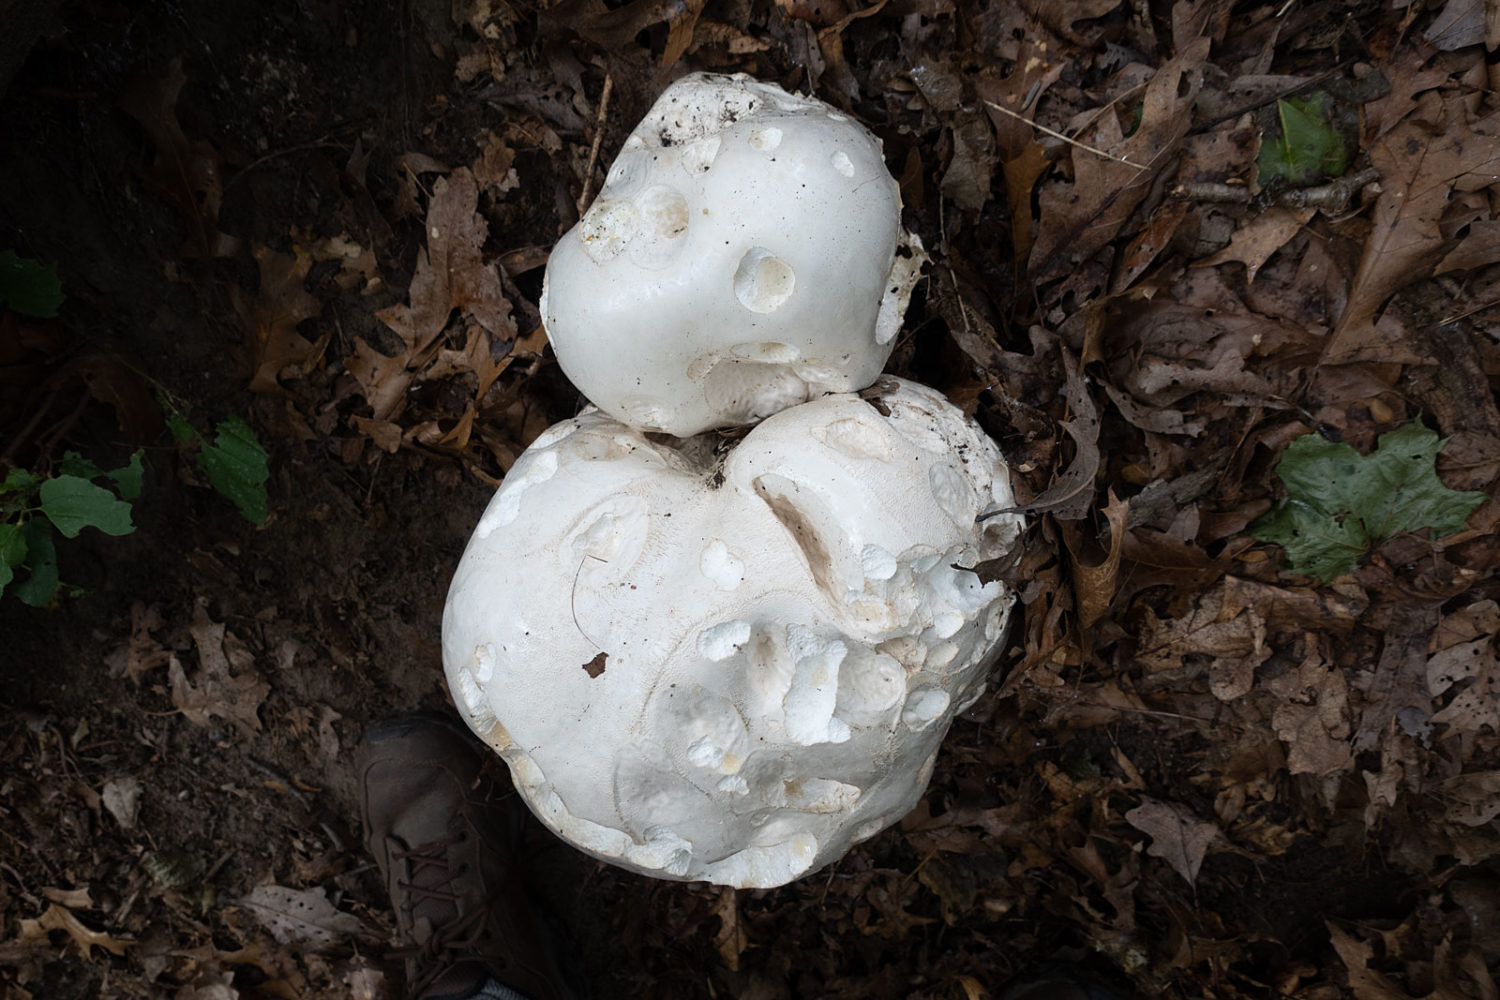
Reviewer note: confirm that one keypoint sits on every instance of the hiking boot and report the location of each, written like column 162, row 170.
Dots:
column 446, row 843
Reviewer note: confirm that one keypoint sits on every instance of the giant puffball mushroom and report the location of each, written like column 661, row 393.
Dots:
column 733, row 667
column 745, row 254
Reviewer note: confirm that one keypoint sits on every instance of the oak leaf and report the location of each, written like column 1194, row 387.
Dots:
column 1421, row 164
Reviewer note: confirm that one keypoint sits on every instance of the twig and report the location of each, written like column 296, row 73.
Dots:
column 1468, row 312
column 1332, row 197
column 1213, row 191
column 1058, row 135
column 588, row 172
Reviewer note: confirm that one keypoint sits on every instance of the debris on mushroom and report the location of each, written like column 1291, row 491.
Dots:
column 732, row 667
column 745, row 254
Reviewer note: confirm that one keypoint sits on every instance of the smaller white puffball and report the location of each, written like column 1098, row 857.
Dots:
column 745, row 254
column 733, row 668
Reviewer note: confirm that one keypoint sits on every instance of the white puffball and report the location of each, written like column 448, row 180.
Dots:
column 786, row 631
column 745, row 254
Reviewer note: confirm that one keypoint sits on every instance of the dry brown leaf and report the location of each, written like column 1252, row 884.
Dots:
column 383, row 380
column 493, row 170
column 1473, row 799
column 1254, row 243
column 1141, row 252
column 616, row 29
column 142, row 653
column 1081, row 217
column 1313, row 718
column 214, row 690
column 1177, row 836
column 185, row 174
column 1420, row 165
column 1364, row 982
column 1208, row 630
column 451, row 272
column 732, row 938
column 73, row 899
column 1071, row 494
column 60, row 918
column 1477, row 703
column 270, row 320
column 1095, row 584
column 301, row 916
column 1479, row 248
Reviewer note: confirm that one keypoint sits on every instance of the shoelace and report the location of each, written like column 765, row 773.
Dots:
column 448, row 942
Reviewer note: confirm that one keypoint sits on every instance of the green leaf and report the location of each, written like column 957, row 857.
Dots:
column 12, row 545
column 1341, row 503
column 72, row 503
column 37, row 589
column 236, row 466
column 29, row 287
column 20, row 481
column 182, row 431
column 128, row 478
column 74, row 464
column 1309, row 148
column 12, row 552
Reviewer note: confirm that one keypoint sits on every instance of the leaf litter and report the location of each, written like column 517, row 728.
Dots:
column 1217, row 775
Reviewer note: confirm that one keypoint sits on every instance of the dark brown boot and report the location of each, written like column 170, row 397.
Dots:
column 446, row 844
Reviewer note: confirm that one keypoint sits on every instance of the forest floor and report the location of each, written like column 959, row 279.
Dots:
column 1168, row 240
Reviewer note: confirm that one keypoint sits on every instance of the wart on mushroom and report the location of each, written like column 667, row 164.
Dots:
column 785, row 650
column 746, row 251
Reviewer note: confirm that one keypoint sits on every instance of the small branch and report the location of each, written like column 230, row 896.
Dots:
column 1333, row 197
column 1058, row 135
column 1214, row 191
column 588, row 173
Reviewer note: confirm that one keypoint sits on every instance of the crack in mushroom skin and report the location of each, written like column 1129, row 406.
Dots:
column 785, row 650
column 745, row 249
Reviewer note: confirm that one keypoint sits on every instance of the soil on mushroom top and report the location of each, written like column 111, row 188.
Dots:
column 231, row 195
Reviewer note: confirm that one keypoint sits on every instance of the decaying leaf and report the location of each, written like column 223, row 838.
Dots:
column 275, row 347
column 1421, row 164
column 216, row 690
column 1079, row 218
column 1177, row 836
column 451, row 273
column 301, row 916
column 184, row 173
column 732, row 938
column 59, row 918
column 1254, row 243
column 1312, row 718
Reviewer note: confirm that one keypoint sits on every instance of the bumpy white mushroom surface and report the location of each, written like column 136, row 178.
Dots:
column 745, row 254
column 732, row 668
